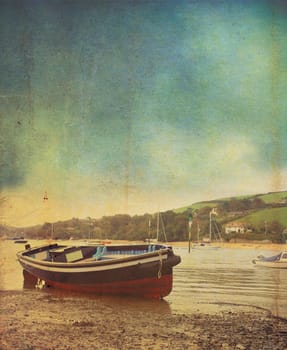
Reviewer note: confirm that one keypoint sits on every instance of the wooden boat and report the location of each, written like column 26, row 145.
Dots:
column 139, row 270
column 276, row 261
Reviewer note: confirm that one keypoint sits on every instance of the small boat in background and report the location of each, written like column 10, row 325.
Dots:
column 275, row 261
column 204, row 245
column 20, row 241
column 139, row 270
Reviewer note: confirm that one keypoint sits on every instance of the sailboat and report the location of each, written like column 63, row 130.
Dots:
column 214, row 233
column 156, row 240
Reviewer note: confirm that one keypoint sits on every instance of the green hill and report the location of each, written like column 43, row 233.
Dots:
column 267, row 215
column 273, row 197
column 196, row 206
column 260, row 211
column 268, row 198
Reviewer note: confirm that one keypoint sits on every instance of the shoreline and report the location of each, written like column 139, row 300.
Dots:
column 180, row 244
column 37, row 320
column 237, row 245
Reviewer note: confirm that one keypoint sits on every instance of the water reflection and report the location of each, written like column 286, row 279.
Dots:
column 10, row 273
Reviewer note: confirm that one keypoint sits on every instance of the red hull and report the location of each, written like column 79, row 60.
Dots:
column 155, row 288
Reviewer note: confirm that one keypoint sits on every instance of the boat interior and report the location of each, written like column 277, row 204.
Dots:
column 61, row 253
column 279, row 257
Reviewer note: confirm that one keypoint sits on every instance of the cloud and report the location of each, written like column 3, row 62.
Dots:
column 127, row 109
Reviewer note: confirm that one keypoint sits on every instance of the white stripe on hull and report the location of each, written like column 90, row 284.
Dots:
column 276, row 265
column 116, row 265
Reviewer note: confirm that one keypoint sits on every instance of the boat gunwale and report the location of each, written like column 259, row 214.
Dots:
column 91, row 263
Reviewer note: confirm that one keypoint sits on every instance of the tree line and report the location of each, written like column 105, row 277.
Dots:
column 172, row 226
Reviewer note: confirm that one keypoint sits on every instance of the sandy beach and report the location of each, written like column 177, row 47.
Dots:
column 43, row 320
column 32, row 320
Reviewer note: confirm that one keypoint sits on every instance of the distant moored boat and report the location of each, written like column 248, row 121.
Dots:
column 276, row 261
column 20, row 241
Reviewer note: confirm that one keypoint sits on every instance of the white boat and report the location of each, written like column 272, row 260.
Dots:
column 278, row 261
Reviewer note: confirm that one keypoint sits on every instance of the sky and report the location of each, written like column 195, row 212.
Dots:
column 114, row 107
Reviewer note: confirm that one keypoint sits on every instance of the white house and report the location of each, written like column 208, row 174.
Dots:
column 235, row 227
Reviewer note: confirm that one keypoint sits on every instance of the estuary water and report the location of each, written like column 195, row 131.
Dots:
column 206, row 280
column 209, row 278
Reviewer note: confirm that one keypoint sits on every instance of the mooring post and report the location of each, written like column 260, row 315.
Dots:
column 189, row 231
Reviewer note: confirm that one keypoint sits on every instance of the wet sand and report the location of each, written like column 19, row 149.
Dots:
column 41, row 321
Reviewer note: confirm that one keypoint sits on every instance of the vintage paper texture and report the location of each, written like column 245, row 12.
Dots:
column 127, row 107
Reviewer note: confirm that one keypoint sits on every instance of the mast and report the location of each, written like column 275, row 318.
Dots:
column 210, row 225
column 159, row 218
column 212, row 222
column 157, row 227
column 163, row 228
column 149, row 225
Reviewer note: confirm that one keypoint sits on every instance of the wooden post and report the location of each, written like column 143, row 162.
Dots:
column 189, row 231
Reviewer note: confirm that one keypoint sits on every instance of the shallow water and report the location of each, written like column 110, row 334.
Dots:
column 205, row 281
column 213, row 277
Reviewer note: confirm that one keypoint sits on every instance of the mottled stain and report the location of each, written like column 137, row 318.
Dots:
column 276, row 160
column 132, row 107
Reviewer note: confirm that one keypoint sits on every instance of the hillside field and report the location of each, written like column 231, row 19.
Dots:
column 268, row 215
column 257, row 218
column 273, row 197
column 268, row 198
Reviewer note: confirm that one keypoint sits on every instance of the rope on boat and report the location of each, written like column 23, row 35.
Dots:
column 159, row 274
